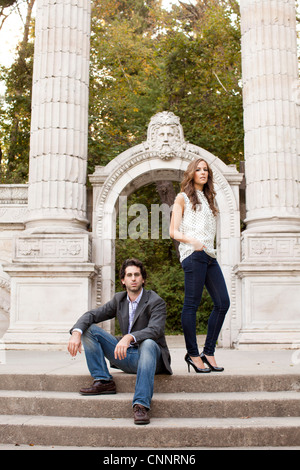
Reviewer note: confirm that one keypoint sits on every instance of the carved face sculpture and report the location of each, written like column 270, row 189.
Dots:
column 165, row 134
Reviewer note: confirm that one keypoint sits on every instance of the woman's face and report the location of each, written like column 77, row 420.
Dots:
column 201, row 175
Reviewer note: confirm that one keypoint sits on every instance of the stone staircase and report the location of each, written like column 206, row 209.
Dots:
column 188, row 411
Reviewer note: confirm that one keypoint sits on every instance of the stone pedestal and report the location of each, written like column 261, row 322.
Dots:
column 51, row 279
column 270, row 268
column 270, row 277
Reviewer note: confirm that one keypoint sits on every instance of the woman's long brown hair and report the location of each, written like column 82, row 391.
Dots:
column 188, row 187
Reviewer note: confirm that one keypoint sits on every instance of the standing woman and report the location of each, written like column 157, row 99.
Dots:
column 193, row 224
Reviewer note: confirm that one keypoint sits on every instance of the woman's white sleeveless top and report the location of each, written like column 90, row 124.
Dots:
column 199, row 224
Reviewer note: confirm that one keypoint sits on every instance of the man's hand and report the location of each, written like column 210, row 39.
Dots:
column 75, row 343
column 122, row 346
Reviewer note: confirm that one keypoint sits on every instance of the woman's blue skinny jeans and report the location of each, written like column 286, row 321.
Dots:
column 201, row 270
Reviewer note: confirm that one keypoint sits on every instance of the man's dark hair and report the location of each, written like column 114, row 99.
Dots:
column 133, row 262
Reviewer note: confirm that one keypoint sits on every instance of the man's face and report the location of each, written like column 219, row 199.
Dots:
column 133, row 280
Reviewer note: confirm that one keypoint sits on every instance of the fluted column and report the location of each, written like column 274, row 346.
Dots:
column 270, row 268
column 271, row 114
column 58, row 147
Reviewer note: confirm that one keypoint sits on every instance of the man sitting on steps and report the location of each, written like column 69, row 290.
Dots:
column 142, row 350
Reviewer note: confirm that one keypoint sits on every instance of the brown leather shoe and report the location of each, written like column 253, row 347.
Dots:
column 140, row 414
column 100, row 387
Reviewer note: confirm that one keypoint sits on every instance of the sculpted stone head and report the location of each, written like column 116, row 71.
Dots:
column 165, row 134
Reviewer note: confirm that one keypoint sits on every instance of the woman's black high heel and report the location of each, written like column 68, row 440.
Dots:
column 189, row 362
column 212, row 368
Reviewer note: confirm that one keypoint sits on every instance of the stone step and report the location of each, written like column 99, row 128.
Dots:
column 188, row 410
column 160, row 433
column 164, row 405
column 177, row 383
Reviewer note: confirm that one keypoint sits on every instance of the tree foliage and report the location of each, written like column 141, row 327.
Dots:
column 125, row 77
column 145, row 60
column 16, row 112
column 203, row 77
column 6, row 7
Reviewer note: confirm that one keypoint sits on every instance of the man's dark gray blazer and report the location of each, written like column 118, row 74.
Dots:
column 148, row 323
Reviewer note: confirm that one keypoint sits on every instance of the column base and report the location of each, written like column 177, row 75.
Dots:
column 46, row 301
column 35, row 338
column 266, row 340
column 51, row 284
column 270, row 284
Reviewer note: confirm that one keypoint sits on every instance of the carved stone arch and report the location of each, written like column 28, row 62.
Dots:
column 144, row 164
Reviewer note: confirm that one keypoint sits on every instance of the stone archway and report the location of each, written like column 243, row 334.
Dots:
column 164, row 156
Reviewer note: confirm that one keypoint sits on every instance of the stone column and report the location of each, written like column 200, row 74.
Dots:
column 59, row 123
column 270, row 270
column 271, row 116
column 51, row 267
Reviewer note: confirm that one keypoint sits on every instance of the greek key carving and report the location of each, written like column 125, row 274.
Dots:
column 56, row 249
column 284, row 248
